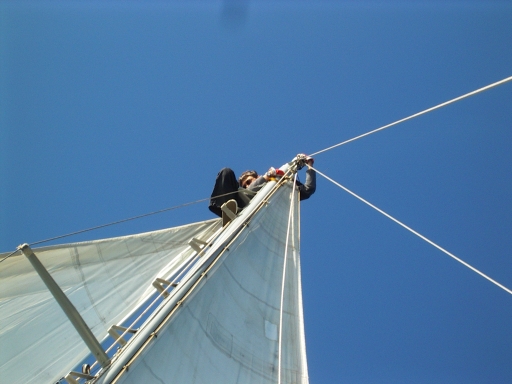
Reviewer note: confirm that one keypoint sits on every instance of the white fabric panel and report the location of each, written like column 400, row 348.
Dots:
column 104, row 280
column 227, row 331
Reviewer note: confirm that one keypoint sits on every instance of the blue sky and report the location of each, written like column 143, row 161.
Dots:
column 113, row 109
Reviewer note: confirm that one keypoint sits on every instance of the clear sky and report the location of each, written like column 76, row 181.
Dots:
column 113, row 109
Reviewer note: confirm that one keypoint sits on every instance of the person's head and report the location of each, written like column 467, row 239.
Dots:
column 247, row 178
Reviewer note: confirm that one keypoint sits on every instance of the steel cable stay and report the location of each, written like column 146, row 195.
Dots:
column 487, row 87
column 416, row 233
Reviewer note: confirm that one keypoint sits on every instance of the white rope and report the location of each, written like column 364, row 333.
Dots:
column 418, row 114
column 283, row 282
column 417, row 234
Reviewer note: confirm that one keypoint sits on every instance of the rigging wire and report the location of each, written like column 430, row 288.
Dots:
column 416, row 233
column 121, row 221
column 290, row 215
column 131, row 218
column 313, row 154
column 417, row 114
column 9, row 255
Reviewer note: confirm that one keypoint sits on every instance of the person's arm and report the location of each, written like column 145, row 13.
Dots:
column 309, row 187
column 257, row 184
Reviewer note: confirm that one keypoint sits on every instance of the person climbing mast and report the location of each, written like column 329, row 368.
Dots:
column 226, row 184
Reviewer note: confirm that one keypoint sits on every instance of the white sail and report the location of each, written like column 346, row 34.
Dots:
column 227, row 329
column 104, row 279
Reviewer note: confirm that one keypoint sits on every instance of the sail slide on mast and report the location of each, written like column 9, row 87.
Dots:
column 235, row 315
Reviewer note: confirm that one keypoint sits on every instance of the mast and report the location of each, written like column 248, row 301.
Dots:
column 220, row 249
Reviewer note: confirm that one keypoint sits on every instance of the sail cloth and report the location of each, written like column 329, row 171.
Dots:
column 227, row 330
column 104, row 279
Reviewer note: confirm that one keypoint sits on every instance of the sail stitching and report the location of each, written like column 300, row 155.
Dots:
column 417, row 234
